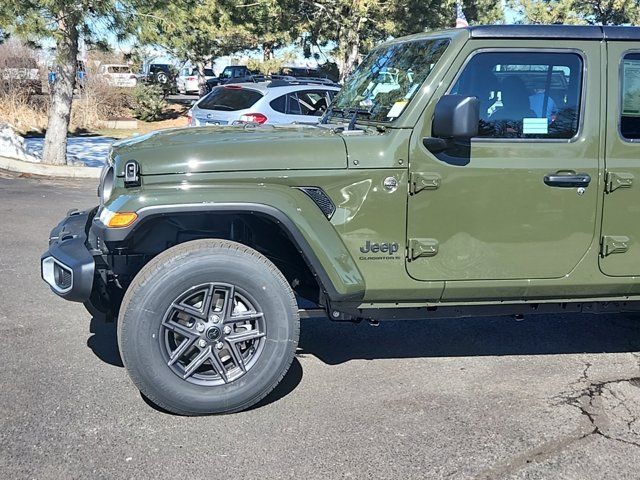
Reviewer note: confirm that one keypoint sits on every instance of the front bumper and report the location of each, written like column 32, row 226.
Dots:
column 68, row 265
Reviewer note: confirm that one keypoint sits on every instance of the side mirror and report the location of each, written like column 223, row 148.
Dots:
column 456, row 117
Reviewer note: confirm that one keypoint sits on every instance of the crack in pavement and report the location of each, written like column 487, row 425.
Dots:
column 604, row 404
column 596, row 403
column 535, row 455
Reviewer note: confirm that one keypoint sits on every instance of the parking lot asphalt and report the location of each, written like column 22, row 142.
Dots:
column 543, row 398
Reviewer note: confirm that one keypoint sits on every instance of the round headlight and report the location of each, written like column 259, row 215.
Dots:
column 105, row 189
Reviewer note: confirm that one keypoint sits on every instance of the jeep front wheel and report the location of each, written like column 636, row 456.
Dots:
column 208, row 326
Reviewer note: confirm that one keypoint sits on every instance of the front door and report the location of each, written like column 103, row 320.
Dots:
column 620, row 252
column 487, row 212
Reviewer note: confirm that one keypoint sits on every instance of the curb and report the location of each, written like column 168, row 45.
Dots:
column 15, row 165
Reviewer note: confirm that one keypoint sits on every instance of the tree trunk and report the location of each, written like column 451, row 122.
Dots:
column 201, row 79
column 349, row 47
column 55, row 140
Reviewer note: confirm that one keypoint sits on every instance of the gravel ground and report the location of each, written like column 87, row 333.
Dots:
column 546, row 397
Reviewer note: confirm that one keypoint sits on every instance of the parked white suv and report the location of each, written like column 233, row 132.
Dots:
column 118, row 75
column 273, row 102
column 187, row 81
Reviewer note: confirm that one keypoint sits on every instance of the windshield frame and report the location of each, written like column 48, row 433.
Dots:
column 363, row 117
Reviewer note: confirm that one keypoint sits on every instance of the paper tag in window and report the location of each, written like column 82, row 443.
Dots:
column 532, row 126
column 397, row 109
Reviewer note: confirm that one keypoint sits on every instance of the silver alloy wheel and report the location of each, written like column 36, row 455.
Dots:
column 212, row 334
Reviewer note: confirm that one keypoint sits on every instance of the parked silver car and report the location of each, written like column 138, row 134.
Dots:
column 274, row 102
column 187, row 81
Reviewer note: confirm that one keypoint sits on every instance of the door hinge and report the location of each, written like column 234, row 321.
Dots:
column 422, row 247
column 614, row 244
column 423, row 181
column 615, row 180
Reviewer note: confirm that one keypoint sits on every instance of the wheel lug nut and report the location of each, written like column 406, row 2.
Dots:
column 200, row 327
column 202, row 343
column 215, row 318
column 227, row 330
column 219, row 345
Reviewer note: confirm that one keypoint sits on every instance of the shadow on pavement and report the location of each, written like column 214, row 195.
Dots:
column 104, row 341
column 335, row 343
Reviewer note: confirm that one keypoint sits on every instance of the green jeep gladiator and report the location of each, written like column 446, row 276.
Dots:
column 479, row 171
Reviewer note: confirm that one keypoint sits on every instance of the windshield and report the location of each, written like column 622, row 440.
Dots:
column 388, row 78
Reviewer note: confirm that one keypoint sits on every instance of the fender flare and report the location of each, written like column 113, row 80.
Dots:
column 338, row 286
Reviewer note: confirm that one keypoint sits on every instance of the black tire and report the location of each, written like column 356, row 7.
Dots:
column 162, row 78
column 156, row 290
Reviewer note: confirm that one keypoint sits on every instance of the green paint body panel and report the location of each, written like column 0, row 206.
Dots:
column 327, row 245
column 232, row 149
column 486, row 231
column 507, row 224
column 622, row 158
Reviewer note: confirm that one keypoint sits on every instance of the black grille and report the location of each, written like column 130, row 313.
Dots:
column 321, row 199
column 62, row 276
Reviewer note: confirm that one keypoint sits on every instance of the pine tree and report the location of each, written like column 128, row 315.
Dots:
column 357, row 25
column 273, row 23
column 584, row 12
column 196, row 30
column 65, row 22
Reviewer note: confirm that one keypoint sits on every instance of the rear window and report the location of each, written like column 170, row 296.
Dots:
column 230, row 99
column 207, row 72
column 118, row 69
column 630, row 115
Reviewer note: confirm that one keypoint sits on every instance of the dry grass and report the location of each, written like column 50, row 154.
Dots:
column 95, row 103
column 26, row 109
column 25, row 112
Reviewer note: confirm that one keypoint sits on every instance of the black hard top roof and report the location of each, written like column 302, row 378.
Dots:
column 569, row 32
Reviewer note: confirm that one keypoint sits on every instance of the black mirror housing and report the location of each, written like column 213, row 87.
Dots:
column 456, row 117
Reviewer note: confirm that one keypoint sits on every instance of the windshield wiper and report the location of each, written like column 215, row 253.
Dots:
column 355, row 112
column 328, row 113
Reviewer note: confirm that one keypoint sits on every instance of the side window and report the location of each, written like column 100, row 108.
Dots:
column 524, row 94
column 312, row 102
column 279, row 104
column 293, row 106
column 630, row 114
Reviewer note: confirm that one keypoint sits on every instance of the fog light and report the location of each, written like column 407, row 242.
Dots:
column 58, row 276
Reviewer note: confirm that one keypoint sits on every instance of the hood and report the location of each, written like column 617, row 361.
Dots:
column 224, row 149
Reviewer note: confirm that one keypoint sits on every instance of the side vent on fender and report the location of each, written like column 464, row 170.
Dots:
column 321, row 199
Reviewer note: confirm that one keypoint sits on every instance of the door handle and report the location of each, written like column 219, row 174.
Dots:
column 567, row 179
